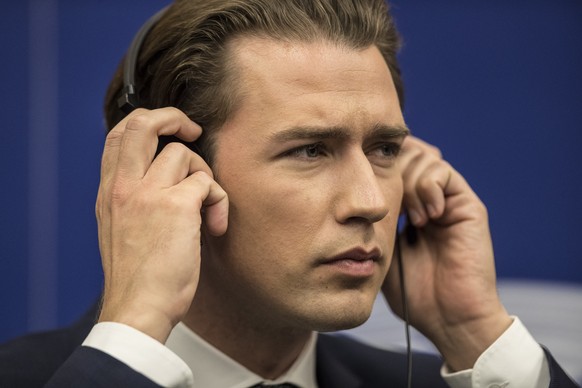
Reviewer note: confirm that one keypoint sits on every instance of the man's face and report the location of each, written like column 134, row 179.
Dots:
column 308, row 161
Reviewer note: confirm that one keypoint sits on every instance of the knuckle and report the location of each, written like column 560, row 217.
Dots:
column 440, row 166
column 435, row 151
column 202, row 177
column 115, row 133
column 118, row 193
column 174, row 150
column 478, row 208
column 481, row 208
column 173, row 110
column 182, row 204
column 139, row 122
column 113, row 137
column 434, row 162
column 424, row 184
column 177, row 148
column 140, row 111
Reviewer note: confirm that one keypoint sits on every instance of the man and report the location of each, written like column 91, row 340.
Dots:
column 220, row 265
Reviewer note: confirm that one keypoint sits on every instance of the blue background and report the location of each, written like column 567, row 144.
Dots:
column 496, row 85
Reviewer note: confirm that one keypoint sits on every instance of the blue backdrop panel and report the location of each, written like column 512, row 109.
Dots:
column 496, row 85
column 13, row 167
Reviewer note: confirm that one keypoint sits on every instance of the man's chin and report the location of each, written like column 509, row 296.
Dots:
column 340, row 319
column 343, row 324
column 345, row 309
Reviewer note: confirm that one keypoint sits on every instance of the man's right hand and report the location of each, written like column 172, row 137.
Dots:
column 149, row 218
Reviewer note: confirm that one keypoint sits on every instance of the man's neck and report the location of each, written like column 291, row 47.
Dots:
column 265, row 349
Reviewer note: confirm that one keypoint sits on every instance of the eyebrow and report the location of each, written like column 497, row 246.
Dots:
column 338, row 132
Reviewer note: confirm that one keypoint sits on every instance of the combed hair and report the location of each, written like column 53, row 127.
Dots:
column 184, row 61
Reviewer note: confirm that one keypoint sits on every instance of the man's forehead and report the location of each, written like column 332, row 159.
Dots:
column 316, row 89
column 259, row 59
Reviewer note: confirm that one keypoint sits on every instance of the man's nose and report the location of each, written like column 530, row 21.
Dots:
column 360, row 196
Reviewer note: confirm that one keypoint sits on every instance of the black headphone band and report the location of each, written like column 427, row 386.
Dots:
column 129, row 100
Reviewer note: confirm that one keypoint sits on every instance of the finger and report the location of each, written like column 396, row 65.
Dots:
column 111, row 152
column 431, row 185
column 140, row 138
column 174, row 163
column 412, row 142
column 461, row 202
column 213, row 198
column 447, row 196
column 418, row 164
column 102, row 205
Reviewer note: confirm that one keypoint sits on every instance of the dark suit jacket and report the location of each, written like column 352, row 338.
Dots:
column 56, row 359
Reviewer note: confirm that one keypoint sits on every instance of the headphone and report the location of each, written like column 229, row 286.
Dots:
column 129, row 101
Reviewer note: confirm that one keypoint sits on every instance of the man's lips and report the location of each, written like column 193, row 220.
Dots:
column 354, row 254
column 357, row 262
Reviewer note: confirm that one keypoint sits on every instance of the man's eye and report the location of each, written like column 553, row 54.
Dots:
column 309, row 151
column 388, row 150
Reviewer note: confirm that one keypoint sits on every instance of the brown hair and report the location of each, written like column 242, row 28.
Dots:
column 184, row 61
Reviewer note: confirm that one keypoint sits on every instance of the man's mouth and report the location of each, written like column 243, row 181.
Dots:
column 355, row 262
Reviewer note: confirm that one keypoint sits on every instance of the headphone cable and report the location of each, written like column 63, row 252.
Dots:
column 404, row 312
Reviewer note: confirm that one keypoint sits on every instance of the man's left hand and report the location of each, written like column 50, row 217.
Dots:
column 449, row 269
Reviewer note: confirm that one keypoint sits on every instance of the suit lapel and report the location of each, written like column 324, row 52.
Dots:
column 331, row 371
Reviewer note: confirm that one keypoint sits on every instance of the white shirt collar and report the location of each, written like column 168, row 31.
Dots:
column 212, row 368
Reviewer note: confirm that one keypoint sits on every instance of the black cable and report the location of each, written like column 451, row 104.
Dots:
column 404, row 312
